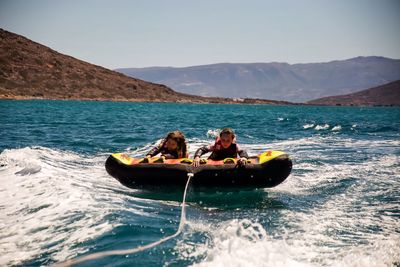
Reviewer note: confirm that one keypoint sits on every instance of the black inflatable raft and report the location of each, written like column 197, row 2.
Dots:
column 266, row 170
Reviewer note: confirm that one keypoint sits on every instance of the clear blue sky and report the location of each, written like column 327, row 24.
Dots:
column 181, row 33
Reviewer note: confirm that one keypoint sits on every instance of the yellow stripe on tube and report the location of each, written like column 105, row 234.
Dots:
column 269, row 155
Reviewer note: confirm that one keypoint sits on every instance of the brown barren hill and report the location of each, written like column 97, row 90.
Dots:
column 384, row 95
column 29, row 70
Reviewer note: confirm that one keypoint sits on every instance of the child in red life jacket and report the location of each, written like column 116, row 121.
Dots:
column 172, row 147
column 224, row 147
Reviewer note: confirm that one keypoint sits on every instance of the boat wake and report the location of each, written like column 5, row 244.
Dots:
column 53, row 201
column 339, row 207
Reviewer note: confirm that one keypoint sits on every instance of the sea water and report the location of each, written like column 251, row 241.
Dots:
column 339, row 207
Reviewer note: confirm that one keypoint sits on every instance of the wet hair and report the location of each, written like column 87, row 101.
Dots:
column 180, row 140
column 227, row 131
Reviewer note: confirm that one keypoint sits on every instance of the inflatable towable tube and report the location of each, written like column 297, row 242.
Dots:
column 266, row 170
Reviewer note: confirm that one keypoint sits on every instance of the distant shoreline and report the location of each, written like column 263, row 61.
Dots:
column 19, row 98
column 136, row 100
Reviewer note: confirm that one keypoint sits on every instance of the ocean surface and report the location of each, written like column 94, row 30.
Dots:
column 339, row 207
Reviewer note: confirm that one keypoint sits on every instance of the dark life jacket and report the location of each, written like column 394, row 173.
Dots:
column 220, row 153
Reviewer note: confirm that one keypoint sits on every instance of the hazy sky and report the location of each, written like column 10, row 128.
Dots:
column 181, row 33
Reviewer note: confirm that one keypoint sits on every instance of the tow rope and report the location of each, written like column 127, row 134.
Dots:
column 137, row 249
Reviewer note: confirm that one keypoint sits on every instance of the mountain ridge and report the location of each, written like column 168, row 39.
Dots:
column 30, row 70
column 298, row 82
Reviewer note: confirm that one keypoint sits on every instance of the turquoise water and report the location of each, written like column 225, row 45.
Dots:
column 339, row 207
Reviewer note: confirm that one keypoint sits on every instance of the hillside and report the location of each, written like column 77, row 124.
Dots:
column 279, row 81
column 385, row 95
column 32, row 71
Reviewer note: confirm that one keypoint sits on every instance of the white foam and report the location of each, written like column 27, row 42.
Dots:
column 322, row 127
column 339, row 229
column 347, row 221
column 213, row 133
column 243, row 243
column 337, row 128
column 63, row 204
column 308, row 126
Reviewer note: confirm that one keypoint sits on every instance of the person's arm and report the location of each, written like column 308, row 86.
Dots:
column 169, row 156
column 154, row 151
column 243, row 156
column 199, row 152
